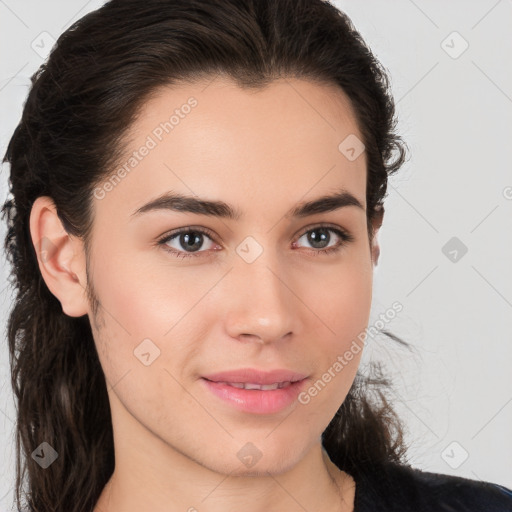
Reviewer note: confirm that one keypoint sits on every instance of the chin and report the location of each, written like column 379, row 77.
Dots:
column 259, row 459
column 274, row 466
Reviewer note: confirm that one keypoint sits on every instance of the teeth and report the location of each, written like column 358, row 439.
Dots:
column 235, row 384
column 263, row 387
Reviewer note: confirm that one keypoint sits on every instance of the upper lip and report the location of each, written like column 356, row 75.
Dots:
column 253, row 376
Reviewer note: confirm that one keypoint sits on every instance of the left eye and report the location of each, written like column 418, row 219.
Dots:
column 191, row 239
column 320, row 235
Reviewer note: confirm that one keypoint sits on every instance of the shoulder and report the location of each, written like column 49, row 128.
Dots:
column 396, row 487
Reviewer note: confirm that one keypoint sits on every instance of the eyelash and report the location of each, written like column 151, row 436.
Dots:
column 345, row 239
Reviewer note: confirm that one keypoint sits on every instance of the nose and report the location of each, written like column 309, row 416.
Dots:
column 263, row 307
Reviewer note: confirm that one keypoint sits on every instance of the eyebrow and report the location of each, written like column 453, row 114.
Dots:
column 175, row 201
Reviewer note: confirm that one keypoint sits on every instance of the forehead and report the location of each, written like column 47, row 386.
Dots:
column 213, row 139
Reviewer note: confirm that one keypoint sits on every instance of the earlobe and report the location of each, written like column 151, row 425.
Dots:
column 375, row 253
column 376, row 224
column 60, row 257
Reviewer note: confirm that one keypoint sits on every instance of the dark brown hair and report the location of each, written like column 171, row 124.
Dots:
column 70, row 138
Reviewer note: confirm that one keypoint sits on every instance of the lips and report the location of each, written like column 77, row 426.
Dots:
column 256, row 391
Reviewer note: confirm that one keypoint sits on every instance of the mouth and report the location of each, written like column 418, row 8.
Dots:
column 256, row 377
column 261, row 387
column 256, row 392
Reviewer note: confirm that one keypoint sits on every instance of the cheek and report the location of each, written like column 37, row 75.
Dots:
column 129, row 312
column 344, row 308
column 341, row 296
column 353, row 300
column 343, row 303
column 146, row 311
column 144, row 298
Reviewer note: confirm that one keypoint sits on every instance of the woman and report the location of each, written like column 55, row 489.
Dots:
column 197, row 192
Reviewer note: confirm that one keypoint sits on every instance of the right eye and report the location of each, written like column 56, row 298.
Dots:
column 187, row 238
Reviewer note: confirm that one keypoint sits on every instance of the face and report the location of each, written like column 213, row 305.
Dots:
column 190, row 292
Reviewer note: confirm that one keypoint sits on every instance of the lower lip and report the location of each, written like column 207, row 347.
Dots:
column 256, row 400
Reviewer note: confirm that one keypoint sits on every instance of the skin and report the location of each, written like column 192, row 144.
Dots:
column 263, row 152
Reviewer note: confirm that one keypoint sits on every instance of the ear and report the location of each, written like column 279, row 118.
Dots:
column 376, row 224
column 60, row 256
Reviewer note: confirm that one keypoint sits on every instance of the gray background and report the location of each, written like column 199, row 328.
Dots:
column 455, row 109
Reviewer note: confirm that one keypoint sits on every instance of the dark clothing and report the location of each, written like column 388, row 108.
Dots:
column 402, row 488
